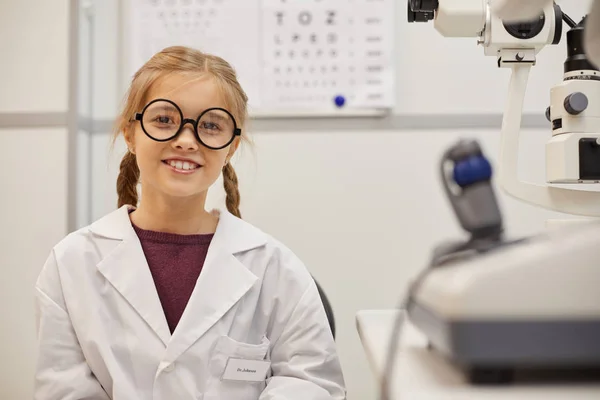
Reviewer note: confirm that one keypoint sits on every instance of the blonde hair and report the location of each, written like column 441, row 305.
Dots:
column 179, row 59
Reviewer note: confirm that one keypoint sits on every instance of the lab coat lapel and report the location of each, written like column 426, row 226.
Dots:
column 126, row 268
column 222, row 283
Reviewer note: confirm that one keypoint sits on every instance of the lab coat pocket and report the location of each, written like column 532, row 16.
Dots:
column 238, row 370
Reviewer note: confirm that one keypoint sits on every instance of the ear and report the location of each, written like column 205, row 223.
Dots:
column 129, row 137
column 233, row 148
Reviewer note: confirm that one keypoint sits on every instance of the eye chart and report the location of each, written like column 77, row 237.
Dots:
column 226, row 28
column 291, row 55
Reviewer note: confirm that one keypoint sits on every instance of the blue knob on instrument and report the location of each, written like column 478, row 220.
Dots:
column 473, row 169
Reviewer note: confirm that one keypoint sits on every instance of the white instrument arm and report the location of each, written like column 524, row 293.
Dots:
column 576, row 202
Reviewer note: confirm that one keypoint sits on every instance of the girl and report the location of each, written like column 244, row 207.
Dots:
column 164, row 300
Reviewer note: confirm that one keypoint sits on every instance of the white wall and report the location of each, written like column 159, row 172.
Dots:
column 358, row 206
column 33, row 212
column 34, row 53
column 33, row 215
column 364, row 211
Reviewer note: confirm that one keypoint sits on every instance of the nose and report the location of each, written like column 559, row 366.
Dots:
column 186, row 140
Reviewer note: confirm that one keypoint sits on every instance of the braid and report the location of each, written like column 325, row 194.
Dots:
column 230, row 182
column 129, row 175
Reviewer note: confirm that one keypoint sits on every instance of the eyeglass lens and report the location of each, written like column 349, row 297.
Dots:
column 162, row 121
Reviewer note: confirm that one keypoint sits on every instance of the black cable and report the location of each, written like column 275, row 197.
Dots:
column 441, row 255
column 386, row 373
column 568, row 20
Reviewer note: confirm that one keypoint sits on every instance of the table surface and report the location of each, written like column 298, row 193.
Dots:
column 420, row 373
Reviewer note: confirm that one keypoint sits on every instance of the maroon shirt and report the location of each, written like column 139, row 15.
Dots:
column 175, row 262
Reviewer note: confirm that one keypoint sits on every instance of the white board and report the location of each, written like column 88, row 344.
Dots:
column 293, row 57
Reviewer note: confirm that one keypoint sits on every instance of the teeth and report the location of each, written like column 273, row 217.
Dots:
column 183, row 165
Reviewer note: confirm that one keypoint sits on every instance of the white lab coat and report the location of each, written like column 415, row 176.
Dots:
column 103, row 334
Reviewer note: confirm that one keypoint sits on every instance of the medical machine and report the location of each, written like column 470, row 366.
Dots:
column 493, row 305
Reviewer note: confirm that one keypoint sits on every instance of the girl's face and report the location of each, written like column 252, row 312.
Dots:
column 181, row 167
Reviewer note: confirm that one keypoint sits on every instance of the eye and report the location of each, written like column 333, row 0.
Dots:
column 210, row 125
column 163, row 119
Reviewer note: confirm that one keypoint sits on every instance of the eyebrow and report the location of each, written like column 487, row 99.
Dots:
column 167, row 108
column 217, row 116
column 211, row 113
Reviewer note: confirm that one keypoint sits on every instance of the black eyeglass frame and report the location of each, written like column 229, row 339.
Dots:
column 236, row 131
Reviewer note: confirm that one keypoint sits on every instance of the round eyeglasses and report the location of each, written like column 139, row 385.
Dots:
column 162, row 120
